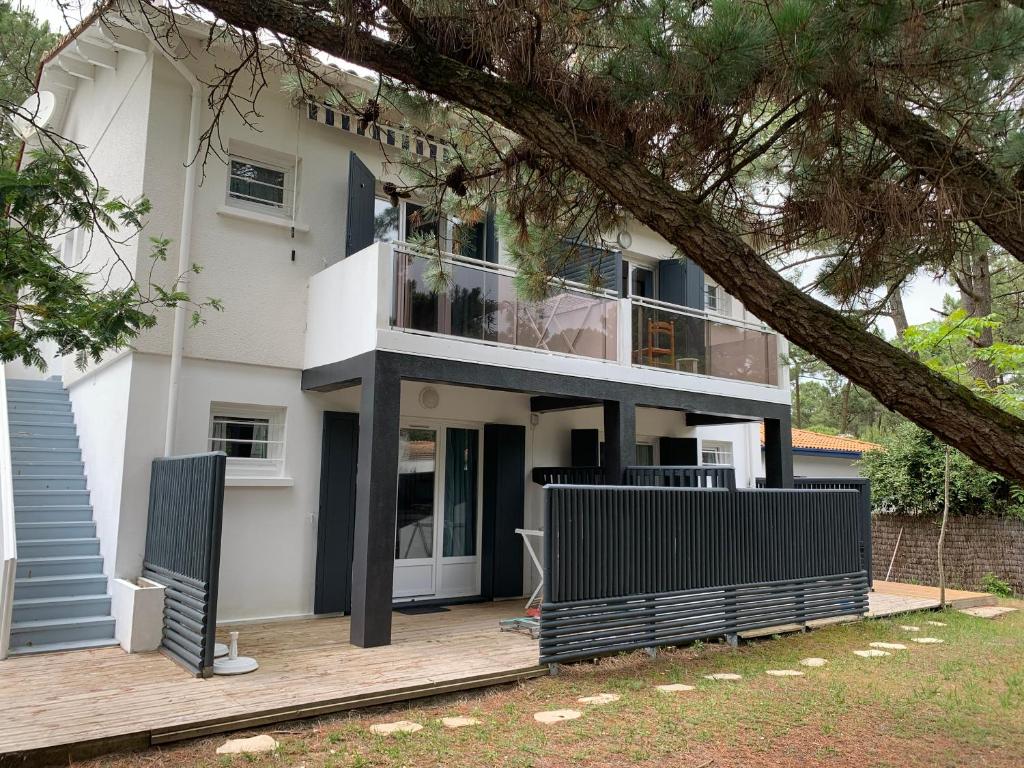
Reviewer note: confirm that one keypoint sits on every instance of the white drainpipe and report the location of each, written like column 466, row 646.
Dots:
column 184, row 248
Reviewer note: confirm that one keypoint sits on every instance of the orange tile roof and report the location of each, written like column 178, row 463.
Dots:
column 805, row 438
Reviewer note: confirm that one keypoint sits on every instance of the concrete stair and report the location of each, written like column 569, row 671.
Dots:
column 61, row 599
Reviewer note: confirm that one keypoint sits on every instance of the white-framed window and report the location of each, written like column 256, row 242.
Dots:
column 260, row 185
column 252, row 436
column 716, row 300
column 716, row 453
column 407, row 220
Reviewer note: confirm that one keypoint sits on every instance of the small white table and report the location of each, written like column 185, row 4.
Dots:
column 529, row 534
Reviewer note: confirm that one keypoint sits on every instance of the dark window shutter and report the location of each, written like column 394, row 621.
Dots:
column 501, row 567
column 678, row 451
column 359, row 220
column 589, row 260
column 671, row 281
column 583, row 448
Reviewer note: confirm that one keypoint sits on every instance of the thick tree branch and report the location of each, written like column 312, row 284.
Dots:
column 986, row 433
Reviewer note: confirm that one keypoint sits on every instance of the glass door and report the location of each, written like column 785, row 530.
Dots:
column 416, row 511
column 459, row 566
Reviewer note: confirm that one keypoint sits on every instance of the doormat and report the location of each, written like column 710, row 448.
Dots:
column 419, row 610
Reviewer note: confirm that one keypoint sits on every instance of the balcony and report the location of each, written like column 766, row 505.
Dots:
column 395, row 297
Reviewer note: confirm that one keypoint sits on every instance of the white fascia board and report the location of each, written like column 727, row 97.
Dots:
column 453, row 348
column 98, row 55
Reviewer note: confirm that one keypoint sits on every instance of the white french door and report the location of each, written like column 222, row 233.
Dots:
column 437, row 540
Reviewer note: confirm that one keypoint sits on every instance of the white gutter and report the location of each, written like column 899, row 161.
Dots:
column 184, row 247
column 8, row 542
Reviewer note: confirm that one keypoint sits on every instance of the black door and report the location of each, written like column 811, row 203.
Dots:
column 337, row 513
column 501, row 565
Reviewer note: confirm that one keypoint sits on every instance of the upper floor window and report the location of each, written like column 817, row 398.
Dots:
column 716, row 452
column 260, row 186
column 716, row 300
column 251, row 436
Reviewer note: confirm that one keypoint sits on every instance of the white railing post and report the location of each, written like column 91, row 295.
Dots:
column 8, row 542
column 625, row 332
column 386, row 287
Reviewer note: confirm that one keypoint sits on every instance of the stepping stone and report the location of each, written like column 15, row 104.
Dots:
column 255, row 744
column 458, row 722
column 935, row 623
column 723, row 676
column 556, row 716
column 988, row 611
column 889, row 646
column 910, row 628
column 675, row 688
column 928, row 640
column 400, row 726
column 784, row 672
column 813, row 661
column 874, row 653
column 600, row 698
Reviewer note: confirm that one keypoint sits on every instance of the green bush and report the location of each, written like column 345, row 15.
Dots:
column 996, row 586
column 907, row 478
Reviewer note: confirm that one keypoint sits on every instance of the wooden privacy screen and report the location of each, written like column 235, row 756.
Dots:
column 640, row 567
column 186, row 505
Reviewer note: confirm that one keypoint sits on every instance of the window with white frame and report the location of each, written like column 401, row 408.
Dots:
column 260, row 185
column 251, row 436
column 716, row 453
column 716, row 300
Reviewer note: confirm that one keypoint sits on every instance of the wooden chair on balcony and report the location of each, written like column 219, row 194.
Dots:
column 660, row 349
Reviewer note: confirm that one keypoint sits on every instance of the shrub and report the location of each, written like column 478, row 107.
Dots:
column 907, row 478
column 996, row 586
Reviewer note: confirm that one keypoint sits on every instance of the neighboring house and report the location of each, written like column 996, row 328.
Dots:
column 819, row 455
column 332, row 352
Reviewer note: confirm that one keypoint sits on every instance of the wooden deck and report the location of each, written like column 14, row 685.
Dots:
column 891, row 597
column 89, row 702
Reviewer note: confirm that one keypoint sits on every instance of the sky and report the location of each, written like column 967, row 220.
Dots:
column 922, row 297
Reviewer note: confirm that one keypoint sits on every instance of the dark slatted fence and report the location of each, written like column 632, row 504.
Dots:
column 631, row 567
column 859, row 484
column 186, row 503
column 682, row 477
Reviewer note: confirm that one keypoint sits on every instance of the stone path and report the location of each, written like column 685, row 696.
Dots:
column 988, row 611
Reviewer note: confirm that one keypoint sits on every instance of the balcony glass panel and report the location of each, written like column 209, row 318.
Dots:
column 480, row 301
column 679, row 341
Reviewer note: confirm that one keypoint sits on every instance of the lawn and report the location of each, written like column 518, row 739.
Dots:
column 956, row 703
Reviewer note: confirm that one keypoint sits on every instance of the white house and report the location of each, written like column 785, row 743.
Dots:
column 381, row 437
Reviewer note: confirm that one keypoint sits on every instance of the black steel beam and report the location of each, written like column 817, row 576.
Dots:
column 778, row 453
column 545, row 403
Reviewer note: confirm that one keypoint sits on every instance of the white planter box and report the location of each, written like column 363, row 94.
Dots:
column 138, row 609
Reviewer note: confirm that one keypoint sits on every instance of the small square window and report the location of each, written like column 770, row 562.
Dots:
column 260, row 186
column 716, row 453
column 251, row 436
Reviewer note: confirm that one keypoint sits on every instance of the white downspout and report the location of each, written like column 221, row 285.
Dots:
column 184, row 248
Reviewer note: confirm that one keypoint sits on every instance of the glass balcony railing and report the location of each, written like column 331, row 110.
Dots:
column 478, row 300
column 691, row 342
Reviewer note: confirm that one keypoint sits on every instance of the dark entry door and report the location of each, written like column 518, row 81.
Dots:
column 337, row 513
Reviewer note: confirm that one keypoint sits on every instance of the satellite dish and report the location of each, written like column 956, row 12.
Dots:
column 34, row 113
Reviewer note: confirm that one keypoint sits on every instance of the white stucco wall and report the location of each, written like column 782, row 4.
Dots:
column 807, row 465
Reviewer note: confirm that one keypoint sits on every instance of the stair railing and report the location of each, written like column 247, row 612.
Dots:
column 8, row 542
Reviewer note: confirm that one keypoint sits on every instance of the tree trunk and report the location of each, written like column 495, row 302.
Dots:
column 897, row 312
column 844, row 424
column 984, row 432
column 796, row 398
column 942, row 535
column 975, row 281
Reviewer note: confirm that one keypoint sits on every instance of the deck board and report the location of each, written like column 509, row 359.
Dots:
column 56, row 699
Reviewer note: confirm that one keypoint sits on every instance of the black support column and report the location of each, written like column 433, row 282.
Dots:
column 619, row 439
column 778, row 453
column 373, row 561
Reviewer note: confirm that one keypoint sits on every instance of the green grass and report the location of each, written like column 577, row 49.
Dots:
column 959, row 703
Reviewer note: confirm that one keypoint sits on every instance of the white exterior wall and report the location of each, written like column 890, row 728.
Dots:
column 810, row 465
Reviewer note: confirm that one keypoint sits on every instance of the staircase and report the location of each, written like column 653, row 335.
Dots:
column 60, row 592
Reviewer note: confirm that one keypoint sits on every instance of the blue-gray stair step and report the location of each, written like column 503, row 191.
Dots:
column 53, row 513
column 35, row 407
column 56, row 631
column 71, row 565
column 77, row 645
column 30, row 468
column 41, row 498
column 43, row 414
column 43, row 453
column 56, row 529
column 34, row 385
column 55, row 442
column 49, row 482
column 36, row 548
column 41, row 428
column 60, row 586
column 45, row 397
column 49, row 608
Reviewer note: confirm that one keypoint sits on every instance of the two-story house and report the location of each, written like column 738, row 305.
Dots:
column 382, row 436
